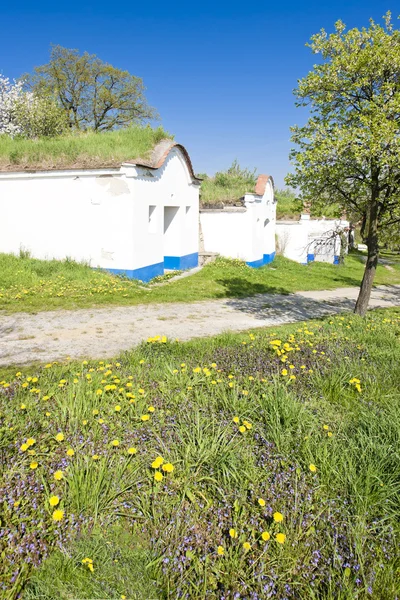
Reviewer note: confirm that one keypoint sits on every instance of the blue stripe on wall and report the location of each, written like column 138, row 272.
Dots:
column 143, row 274
column 180, row 263
column 268, row 258
column 310, row 257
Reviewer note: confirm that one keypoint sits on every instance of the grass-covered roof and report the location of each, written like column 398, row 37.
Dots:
column 79, row 151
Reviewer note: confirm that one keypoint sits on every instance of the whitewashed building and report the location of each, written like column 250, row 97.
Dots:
column 138, row 219
column 309, row 240
column 246, row 232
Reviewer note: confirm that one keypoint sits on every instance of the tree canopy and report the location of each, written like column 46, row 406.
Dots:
column 348, row 152
column 94, row 94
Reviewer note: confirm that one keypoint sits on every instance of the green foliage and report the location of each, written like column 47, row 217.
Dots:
column 349, row 150
column 93, row 94
column 80, row 150
column 29, row 284
column 227, row 186
column 302, row 417
column 41, row 116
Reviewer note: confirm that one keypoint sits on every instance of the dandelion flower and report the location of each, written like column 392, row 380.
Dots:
column 220, row 551
column 233, row 533
column 280, row 538
column 34, row 465
column 158, row 476
column 242, row 429
column 115, row 443
column 58, row 515
column 278, row 517
column 247, row 424
column 261, row 501
column 95, row 457
column 265, row 536
column 132, row 450
column 168, row 467
column 246, row 546
column 24, row 447
column 312, row 468
column 60, row 437
column 145, row 417
column 58, row 475
column 30, row 441
column 330, row 434
column 236, row 419
column 326, row 427
column 54, row 500
column 117, row 408
column 151, row 409
column 157, row 462
column 70, row 452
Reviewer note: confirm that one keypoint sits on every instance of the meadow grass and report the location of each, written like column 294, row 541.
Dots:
column 32, row 285
column 254, row 465
column 83, row 150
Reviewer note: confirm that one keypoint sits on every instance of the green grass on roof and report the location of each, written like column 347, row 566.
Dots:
column 84, row 150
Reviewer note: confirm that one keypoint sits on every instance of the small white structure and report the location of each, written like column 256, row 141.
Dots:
column 246, row 232
column 137, row 220
column 309, row 239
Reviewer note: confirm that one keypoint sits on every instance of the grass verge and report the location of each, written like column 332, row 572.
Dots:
column 32, row 285
column 255, row 465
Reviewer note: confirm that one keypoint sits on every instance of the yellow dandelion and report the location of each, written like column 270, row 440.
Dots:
column 280, row 538
column 54, row 500
column 312, row 468
column 132, row 450
column 151, row 409
column 58, row 475
column 158, row 476
column 95, row 457
column 330, row 434
column 34, row 465
column 58, row 515
column 157, row 462
column 233, row 533
column 220, row 551
column 24, row 447
column 278, row 517
column 265, row 536
column 117, row 408
column 60, row 437
column 236, row 419
column 242, row 429
column 246, row 546
column 145, row 417
column 115, row 443
column 326, row 427
column 70, row 452
column 261, row 502
column 168, row 467
column 31, row 441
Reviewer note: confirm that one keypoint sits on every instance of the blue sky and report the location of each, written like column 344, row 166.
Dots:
column 220, row 74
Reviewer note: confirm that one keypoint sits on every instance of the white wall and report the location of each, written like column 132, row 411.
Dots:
column 245, row 232
column 86, row 215
column 297, row 239
column 101, row 216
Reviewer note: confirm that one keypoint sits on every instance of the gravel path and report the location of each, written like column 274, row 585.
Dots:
column 104, row 332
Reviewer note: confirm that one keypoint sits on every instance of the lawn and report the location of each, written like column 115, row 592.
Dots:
column 251, row 466
column 32, row 285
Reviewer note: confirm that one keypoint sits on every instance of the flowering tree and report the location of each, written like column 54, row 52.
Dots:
column 348, row 153
column 27, row 114
column 10, row 95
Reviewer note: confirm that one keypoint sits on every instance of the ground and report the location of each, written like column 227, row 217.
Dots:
column 256, row 465
column 102, row 332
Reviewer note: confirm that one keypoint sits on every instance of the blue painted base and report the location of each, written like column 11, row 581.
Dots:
column 143, row 274
column 180, row 263
column 267, row 258
column 335, row 260
column 310, row 257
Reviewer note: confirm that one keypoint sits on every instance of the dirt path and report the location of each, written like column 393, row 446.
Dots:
column 104, row 332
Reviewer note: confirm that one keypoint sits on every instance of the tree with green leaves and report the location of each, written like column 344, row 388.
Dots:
column 348, row 152
column 94, row 94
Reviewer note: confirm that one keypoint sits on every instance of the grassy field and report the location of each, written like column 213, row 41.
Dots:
column 80, row 150
column 33, row 285
column 250, row 466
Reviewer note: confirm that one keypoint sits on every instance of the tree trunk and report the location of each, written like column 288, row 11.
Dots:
column 372, row 260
